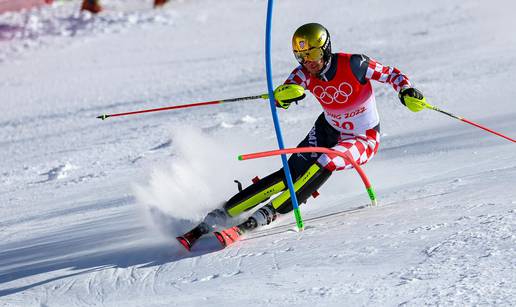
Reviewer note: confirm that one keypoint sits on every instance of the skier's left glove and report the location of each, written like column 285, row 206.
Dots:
column 285, row 94
column 413, row 99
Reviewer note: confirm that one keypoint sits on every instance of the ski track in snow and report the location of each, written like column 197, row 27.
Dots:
column 72, row 232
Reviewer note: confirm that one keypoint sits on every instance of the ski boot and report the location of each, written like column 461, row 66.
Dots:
column 213, row 219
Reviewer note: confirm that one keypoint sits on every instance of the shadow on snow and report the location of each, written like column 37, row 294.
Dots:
column 116, row 241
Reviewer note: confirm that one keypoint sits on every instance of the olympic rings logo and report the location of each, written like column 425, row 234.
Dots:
column 332, row 94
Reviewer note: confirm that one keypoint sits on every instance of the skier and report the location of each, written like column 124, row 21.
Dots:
column 341, row 83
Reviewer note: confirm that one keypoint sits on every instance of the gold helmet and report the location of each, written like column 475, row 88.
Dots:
column 311, row 42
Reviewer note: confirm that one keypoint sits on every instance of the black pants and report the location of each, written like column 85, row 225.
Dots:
column 321, row 135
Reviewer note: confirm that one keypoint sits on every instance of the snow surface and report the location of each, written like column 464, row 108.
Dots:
column 89, row 208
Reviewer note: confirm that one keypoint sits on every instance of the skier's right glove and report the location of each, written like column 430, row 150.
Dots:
column 413, row 99
column 285, row 94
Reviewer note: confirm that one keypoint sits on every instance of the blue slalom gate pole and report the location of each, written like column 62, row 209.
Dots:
column 272, row 102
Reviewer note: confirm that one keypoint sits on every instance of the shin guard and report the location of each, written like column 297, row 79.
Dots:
column 305, row 186
column 256, row 193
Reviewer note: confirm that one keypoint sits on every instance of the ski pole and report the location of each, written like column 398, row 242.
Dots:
column 431, row 107
column 198, row 104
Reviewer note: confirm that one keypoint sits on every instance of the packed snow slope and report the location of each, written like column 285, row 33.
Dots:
column 89, row 208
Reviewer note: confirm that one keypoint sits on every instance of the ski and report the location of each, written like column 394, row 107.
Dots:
column 233, row 234
column 291, row 227
column 229, row 236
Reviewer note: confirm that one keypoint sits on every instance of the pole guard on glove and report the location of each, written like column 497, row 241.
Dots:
column 413, row 99
column 285, row 94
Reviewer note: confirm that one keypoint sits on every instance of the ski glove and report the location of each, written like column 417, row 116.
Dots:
column 285, row 94
column 413, row 99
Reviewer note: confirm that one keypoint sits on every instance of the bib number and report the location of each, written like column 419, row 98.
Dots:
column 343, row 125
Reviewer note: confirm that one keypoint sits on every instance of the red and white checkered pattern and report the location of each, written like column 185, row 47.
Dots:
column 361, row 147
column 387, row 74
column 298, row 77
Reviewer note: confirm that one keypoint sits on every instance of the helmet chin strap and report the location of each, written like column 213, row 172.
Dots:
column 324, row 69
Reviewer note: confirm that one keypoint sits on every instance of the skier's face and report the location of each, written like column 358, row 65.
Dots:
column 314, row 67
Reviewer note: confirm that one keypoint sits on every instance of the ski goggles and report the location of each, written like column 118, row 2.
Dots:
column 312, row 55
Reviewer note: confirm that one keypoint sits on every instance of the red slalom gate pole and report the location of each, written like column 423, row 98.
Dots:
column 363, row 176
column 183, row 106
